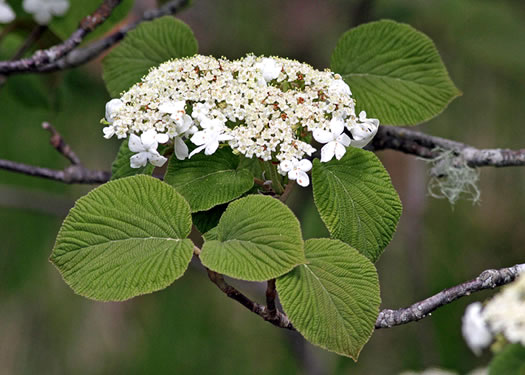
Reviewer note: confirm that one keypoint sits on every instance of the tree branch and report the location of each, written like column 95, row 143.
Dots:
column 486, row 280
column 79, row 56
column 277, row 318
column 76, row 173
column 427, row 146
column 51, row 55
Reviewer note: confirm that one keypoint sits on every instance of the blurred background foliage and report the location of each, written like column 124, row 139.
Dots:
column 191, row 327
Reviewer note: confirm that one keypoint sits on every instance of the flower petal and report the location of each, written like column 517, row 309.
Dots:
column 156, row 159
column 139, row 160
column 292, row 175
column 337, row 126
column 162, row 138
column 135, row 144
column 339, row 151
column 198, row 149
column 199, row 138
column 322, row 136
column 328, row 151
column 211, row 147
column 286, row 165
column 305, row 165
column 181, row 150
column 302, row 179
column 148, row 139
column 172, row 107
column 109, row 131
column 344, row 140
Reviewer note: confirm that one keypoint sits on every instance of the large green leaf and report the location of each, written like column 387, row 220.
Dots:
column 357, row 201
column 258, row 238
column 333, row 300
column 395, row 72
column 206, row 181
column 510, row 361
column 121, row 167
column 123, row 239
column 78, row 9
column 149, row 45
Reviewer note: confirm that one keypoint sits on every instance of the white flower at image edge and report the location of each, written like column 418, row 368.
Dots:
column 44, row 10
column 336, row 140
column 475, row 329
column 296, row 170
column 6, row 13
column 146, row 148
column 340, row 87
column 269, row 68
column 362, row 133
column 208, row 139
column 112, row 107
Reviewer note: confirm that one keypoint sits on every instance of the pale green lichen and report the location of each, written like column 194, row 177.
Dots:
column 452, row 178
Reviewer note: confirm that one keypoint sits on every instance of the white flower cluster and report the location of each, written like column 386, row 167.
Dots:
column 261, row 107
column 503, row 314
column 42, row 10
column 6, row 12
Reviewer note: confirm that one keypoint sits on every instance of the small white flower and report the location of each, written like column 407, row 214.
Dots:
column 336, row 140
column 112, row 107
column 6, row 13
column 296, row 170
column 44, row 10
column 269, row 68
column 182, row 129
column 200, row 111
column 475, row 329
column 363, row 132
column 338, row 86
column 174, row 108
column 208, row 139
column 146, row 149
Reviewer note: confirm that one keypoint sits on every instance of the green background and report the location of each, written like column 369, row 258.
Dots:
column 193, row 328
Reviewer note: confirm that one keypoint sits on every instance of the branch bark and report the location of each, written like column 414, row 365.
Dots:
column 276, row 317
column 427, row 146
column 488, row 279
column 80, row 56
column 51, row 55
column 76, row 173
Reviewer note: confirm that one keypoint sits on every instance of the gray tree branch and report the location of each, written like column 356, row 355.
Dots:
column 428, row 147
column 51, row 55
column 488, row 279
column 80, row 56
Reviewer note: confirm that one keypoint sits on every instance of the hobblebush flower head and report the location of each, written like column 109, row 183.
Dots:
column 44, row 10
column 6, row 12
column 262, row 107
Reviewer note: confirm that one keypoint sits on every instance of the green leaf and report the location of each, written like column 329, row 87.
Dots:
column 333, row 300
column 123, row 239
column 149, row 45
column 258, row 238
column 395, row 72
column 510, row 361
column 64, row 26
column 208, row 180
column 357, row 201
column 121, row 167
column 206, row 220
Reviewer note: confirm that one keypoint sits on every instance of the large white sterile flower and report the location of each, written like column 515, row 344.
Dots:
column 364, row 131
column 336, row 140
column 475, row 329
column 44, row 10
column 505, row 312
column 296, row 170
column 269, row 68
column 338, row 86
column 208, row 139
column 112, row 107
column 146, row 148
column 6, row 13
